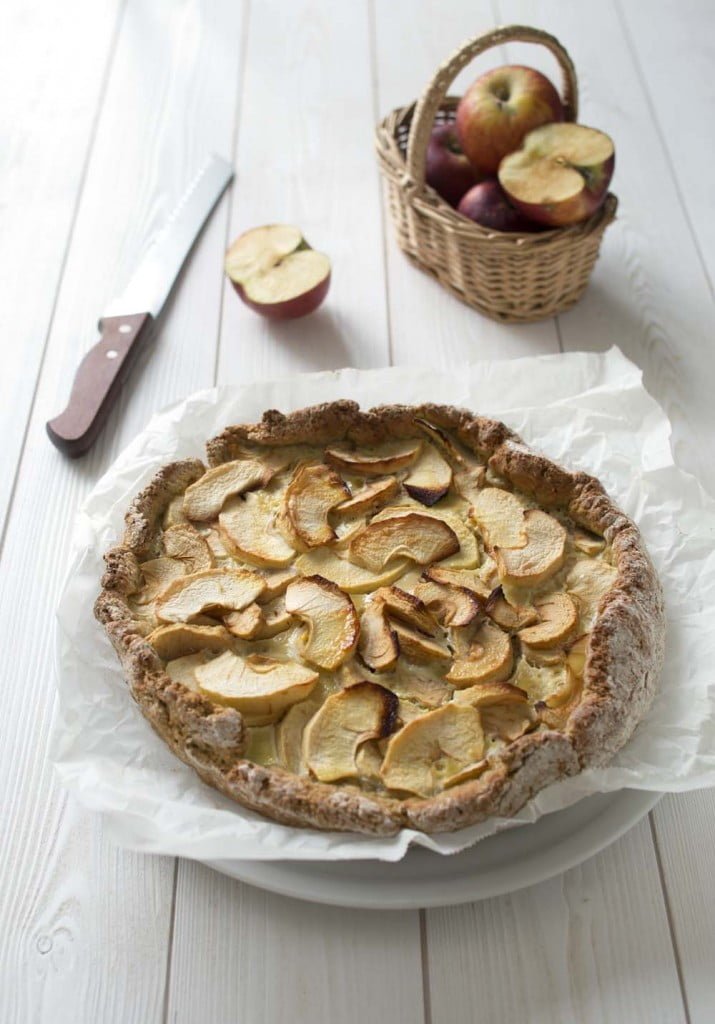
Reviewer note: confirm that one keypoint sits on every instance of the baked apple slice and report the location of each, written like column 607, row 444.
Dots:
column 378, row 461
column 426, row 753
column 499, row 515
column 204, row 499
column 490, row 658
column 246, row 524
column 558, row 617
column 314, row 490
column 260, row 688
column 541, row 556
column 276, row 273
column 330, row 616
column 346, row 720
column 451, row 605
column 353, row 579
column 420, row 538
column 181, row 638
column 213, row 590
column 368, row 499
column 186, row 544
column 378, row 646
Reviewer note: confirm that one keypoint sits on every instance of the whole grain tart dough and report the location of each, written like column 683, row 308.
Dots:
column 368, row 620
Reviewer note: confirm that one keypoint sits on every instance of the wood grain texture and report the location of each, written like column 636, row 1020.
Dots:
column 273, row 960
column 305, row 157
column 428, row 326
column 86, row 926
column 52, row 86
column 591, row 946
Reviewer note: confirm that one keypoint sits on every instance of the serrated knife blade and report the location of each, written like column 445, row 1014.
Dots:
column 126, row 323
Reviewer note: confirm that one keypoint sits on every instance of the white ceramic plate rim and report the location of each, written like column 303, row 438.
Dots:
column 553, row 844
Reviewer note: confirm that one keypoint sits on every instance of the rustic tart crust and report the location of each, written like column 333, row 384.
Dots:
column 624, row 657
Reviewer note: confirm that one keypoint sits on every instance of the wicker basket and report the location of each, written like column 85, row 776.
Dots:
column 509, row 277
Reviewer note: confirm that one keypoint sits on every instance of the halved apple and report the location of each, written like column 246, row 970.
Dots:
column 212, row 590
column 182, row 638
column 426, row 753
column 247, row 525
column 451, row 605
column 204, row 499
column 558, row 617
column 429, row 478
column 353, row 579
column 276, row 272
column 313, row 491
column 377, row 461
column 330, row 615
column 490, row 658
column 260, row 688
column 368, row 499
column 421, row 538
column 560, row 175
column 542, row 555
column 346, row 720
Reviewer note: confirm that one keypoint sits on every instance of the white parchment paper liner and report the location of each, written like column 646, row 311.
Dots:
column 588, row 411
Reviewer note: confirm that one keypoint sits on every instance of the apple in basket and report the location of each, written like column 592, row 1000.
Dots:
column 487, row 204
column 560, row 175
column 276, row 272
column 447, row 169
column 498, row 110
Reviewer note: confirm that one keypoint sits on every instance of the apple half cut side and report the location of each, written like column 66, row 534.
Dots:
column 560, row 175
column 276, row 273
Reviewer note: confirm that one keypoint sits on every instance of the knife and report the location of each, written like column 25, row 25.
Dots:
column 127, row 323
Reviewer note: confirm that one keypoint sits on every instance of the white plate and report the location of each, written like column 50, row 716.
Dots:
column 502, row 863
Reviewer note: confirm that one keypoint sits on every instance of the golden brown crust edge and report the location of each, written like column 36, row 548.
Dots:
column 620, row 676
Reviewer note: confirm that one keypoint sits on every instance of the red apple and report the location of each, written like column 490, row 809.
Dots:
column 560, row 175
column 276, row 272
column 499, row 109
column 487, row 204
column 447, row 169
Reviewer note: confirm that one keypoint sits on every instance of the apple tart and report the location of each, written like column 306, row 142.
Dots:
column 368, row 620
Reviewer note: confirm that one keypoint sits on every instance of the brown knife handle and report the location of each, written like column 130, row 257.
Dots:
column 97, row 382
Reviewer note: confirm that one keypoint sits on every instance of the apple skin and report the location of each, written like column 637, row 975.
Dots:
column 499, row 109
column 290, row 309
column 448, row 171
column 579, row 208
column 488, row 204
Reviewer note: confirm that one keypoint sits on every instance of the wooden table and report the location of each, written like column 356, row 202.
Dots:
column 108, row 108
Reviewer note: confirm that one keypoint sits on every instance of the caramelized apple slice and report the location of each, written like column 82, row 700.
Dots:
column 346, row 720
column 509, row 616
column 468, row 554
column 542, row 555
column 260, row 622
column 259, row 687
column 421, row 538
column 423, row 756
column 417, row 647
column 407, row 608
column 368, row 499
column 247, row 525
column 213, row 590
column 378, row 646
column 330, row 615
column 429, row 478
column 182, row 638
column 490, row 658
column 466, row 579
column 312, row 493
column 558, row 617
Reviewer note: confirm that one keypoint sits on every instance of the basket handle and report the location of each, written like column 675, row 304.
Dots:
column 433, row 96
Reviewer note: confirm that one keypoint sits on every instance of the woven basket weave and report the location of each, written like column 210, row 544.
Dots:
column 509, row 277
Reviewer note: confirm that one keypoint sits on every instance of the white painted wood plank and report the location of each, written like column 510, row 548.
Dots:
column 273, row 960
column 307, row 76
column 305, row 157
column 428, row 325
column 673, row 42
column 52, row 77
column 591, row 946
column 86, row 927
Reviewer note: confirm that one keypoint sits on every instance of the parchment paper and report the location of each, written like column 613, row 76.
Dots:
column 588, row 411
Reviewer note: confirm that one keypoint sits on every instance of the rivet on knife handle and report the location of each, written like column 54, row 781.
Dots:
column 97, row 382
